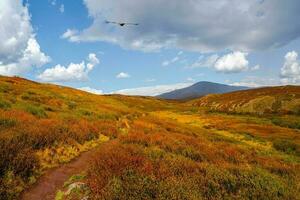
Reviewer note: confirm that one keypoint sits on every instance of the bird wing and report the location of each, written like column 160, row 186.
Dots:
column 135, row 24
column 111, row 22
column 121, row 23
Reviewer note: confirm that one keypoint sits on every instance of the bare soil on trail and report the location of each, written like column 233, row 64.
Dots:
column 47, row 185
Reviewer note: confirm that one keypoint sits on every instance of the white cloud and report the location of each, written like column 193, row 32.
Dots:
column 152, row 90
column 168, row 62
column 198, row 25
column 62, row 8
column 32, row 56
column 290, row 72
column 204, row 62
column 92, row 61
column 19, row 50
column 165, row 63
column 253, row 81
column 190, row 79
column 123, row 75
column 71, row 35
column 91, row 90
column 255, row 68
column 232, row 63
column 73, row 72
column 173, row 60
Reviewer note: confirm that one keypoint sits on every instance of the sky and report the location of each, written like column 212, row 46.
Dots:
column 175, row 44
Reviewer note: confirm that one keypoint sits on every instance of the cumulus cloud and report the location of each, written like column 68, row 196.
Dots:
column 152, row 90
column 91, row 90
column 72, row 72
column 92, row 61
column 232, row 63
column 19, row 50
column 290, row 72
column 123, row 75
column 199, row 25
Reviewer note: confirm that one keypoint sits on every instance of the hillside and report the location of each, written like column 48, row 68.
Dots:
column 200, row 89
column 138, row 148
column 283, row 99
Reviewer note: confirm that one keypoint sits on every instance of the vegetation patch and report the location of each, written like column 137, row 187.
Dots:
column 286, row 146
column 74, row 188
column 63, row 153
column 4, row 104
column 157, row 149
column 36, row 111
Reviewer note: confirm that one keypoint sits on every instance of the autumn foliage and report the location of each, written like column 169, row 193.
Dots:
column 157, row 149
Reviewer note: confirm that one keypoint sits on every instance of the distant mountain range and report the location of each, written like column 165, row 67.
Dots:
column 200, row 89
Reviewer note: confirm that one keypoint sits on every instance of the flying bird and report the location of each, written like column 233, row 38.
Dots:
column 121, row 23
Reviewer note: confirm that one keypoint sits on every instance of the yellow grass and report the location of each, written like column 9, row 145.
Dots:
column 63, row 153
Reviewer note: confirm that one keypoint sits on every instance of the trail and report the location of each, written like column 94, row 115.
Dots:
column 47, row 185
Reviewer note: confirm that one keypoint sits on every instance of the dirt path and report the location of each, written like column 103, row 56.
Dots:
column 47, row 185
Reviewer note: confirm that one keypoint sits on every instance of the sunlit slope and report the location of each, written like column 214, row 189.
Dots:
column 146, row 148
column 46, row 100
column 44, row 125
column 283, row 100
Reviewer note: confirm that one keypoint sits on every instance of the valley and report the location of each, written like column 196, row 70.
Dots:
column 132, row 147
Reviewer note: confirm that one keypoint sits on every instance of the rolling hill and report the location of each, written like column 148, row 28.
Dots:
column 198, row 90
column 282, row 99
column 130, row 147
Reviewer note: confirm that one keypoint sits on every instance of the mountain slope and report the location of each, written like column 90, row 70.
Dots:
column 282, row 99
column 146, row 148
column 200, row 89
column 44, row 125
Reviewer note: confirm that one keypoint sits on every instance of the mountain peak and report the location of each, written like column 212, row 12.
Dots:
column 199, row 89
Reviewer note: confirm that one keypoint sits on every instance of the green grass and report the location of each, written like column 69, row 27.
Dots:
column 4, row 104
column 36, row 111
column 288, row 122
column 286, row 146
column 75, row 178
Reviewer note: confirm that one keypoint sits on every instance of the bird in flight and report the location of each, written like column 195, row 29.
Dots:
column 121, row 23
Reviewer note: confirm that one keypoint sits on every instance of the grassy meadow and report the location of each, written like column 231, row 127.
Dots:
column 149, row 148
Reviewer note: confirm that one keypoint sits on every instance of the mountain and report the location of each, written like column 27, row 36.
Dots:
column 281, row 99
column 200, row 89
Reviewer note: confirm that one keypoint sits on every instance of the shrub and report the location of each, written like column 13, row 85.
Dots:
column 6, row 123
column 37, row 111
column 25, row 163
column 285, row 146
column 4, row 104
column 16, row 157
column 131, row 185
column 286, row 123
column 72, row 105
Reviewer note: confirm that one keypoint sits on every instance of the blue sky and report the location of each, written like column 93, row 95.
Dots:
column 174, row 45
